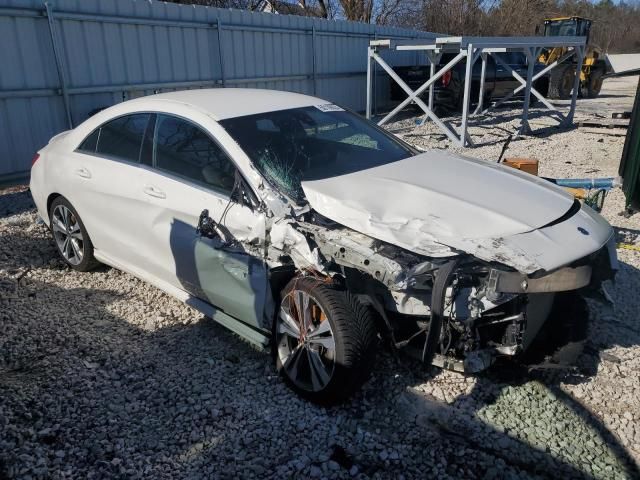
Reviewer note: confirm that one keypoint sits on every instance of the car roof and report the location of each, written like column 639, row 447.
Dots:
column 221, row 103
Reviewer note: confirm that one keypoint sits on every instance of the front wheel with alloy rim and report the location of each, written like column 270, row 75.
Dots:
column 71, row 237
column 324, row 340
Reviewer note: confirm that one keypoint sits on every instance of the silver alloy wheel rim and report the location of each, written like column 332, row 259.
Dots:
column 306, row 346
column 68, row 235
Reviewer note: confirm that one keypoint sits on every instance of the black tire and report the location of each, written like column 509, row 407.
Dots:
column 353, row 330
column 488, row 98
column 87, row 261
column 486, row 101
column 542, row 86
column 561, row 81
column 593, row 84
column 473, row 97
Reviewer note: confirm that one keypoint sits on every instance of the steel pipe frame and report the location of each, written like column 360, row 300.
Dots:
column 525, row 45
column 483, row 73
column 580, row 52
column 59, row 59
column 532, row 54
column 535, row 77
column 523, row 84
column 370, row 88
column 313, row 58
column 564, row 120
column 434, row 59
column 413, row 96
column 513, row 43
column 471, row 60
column 465, row 139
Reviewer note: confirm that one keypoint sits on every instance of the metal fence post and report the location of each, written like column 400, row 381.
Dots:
column 369, row 81
column 313, row 57
column 434, row 60
column 57, row 53
column 483, row 73
column 467, row 95
column 375, row 75
column 220, row 51
column 531, row 58
column 432, row 72
column 576, row 85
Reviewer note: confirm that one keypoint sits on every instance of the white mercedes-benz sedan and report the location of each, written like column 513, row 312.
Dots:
column 301, row 226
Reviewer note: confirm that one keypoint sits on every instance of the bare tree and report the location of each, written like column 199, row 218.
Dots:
column 374, row 11
column 456, row 17
column 614, row 29
column 320, row 8
column 240, row 4
column 357, row 10
column 615, row 25
column 388, row 11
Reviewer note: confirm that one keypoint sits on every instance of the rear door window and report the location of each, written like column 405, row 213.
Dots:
column 122, row 138
column 90, row 143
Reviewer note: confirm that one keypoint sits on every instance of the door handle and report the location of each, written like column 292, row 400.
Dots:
column 83, row 172
column 154, row 192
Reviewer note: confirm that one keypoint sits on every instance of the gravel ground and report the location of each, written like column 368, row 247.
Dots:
column 104, row 376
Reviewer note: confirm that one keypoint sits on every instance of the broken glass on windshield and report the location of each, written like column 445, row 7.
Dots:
column 310, row 143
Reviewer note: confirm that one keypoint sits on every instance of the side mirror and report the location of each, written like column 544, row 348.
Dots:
column 243, row 194
column 207, row 226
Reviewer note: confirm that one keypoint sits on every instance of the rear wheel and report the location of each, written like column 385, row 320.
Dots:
column 71, row 237
column 324, row 340
column 561, row 81
column 593, row 84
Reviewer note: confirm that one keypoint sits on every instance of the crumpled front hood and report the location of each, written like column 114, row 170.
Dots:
column 436, row 200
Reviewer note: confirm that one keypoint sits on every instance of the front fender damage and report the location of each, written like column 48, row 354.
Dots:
column 493, row 300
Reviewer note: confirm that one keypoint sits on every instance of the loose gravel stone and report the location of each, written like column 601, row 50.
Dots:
column 104, row 376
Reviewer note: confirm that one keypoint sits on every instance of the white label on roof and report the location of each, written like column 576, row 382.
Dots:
column 329, row 107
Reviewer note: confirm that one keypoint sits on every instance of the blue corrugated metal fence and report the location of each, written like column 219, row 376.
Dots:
column 62, row 59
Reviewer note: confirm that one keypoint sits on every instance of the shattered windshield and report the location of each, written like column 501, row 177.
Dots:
column 312, row 143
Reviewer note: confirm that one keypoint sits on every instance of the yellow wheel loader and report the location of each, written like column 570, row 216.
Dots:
column 561, row 77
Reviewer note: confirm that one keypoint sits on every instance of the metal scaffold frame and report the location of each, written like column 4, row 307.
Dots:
column 471, row 49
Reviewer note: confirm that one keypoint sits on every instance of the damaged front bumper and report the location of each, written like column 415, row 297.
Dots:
column 537, row 297
column 487, row 309
column 588, row 271
column 562, row 280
